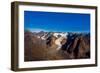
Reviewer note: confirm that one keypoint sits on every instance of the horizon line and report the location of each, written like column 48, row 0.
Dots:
column 35, row 30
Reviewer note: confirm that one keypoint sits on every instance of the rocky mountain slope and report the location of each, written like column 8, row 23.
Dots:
column 56, row 45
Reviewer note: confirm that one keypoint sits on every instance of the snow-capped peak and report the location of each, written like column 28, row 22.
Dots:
column 61, row 34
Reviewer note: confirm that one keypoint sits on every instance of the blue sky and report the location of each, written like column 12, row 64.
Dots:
column 56, row 22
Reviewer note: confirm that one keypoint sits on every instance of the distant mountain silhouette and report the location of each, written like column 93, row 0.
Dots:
column 56, row 45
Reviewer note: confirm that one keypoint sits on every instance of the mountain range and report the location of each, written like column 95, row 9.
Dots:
column 56, row 45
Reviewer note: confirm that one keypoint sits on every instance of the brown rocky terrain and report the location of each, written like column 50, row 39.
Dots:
column 45, row 46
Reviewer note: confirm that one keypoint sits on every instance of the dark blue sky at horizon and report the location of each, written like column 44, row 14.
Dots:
column 56, row 21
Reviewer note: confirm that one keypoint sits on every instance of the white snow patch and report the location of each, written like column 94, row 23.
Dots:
column 62, row 34
column 59, row 40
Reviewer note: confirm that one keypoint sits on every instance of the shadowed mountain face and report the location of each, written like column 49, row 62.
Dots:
column 56, row 46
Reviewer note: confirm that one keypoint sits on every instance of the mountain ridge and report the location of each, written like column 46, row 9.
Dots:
column 56, row 45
